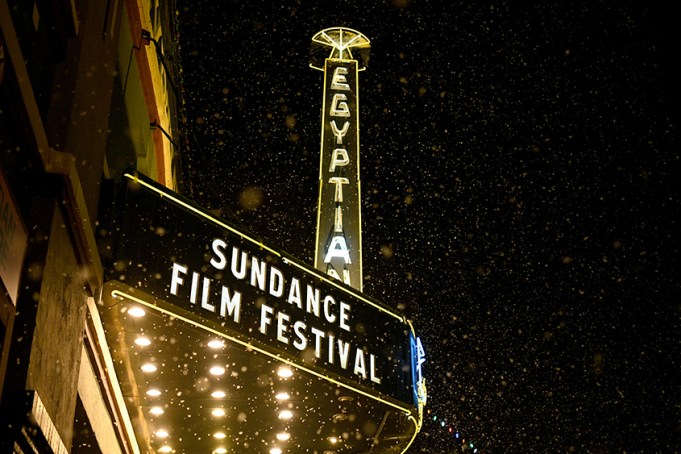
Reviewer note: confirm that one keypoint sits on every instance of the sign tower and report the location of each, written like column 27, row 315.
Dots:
column 340, row 53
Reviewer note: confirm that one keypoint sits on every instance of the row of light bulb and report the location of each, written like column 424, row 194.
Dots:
column 283, row 372
column 285, row 414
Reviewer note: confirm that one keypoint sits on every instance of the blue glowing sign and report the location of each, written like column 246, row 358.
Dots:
column 418, row 357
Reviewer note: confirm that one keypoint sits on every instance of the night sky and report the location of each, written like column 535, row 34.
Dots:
column 518, row 164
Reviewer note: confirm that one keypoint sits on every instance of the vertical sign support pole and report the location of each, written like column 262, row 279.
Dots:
column 341, row 53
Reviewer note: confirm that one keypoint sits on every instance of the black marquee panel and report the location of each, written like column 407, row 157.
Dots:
column 187, row 260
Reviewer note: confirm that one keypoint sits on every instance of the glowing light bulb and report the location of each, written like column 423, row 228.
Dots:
column 217, row 370
column 142, row 341
column 157, row 411
column 218, row 412
column 283, row 436
column 216, row 343
column 218, row 394
column 219, row 435
column 162, row 433
column 285, row 372
column 136, row 312
column 148, row 367
column 282, row 396
column 285, row 414
column 153, row 392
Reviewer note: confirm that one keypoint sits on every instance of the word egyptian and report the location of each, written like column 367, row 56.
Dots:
column 337, row 247
column 292, row 326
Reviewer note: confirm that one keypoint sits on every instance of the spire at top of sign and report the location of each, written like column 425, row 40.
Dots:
column 340, row 43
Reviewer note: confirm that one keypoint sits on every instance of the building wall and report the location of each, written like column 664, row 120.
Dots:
column 57, row 333
column 81, row 95
column 80, row 88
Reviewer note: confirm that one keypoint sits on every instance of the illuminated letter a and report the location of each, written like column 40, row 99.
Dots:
column 337, row 248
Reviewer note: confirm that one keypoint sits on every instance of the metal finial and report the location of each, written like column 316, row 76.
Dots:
column 339, row 43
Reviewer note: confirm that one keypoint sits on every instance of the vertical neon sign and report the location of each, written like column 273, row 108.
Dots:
column 338, row 248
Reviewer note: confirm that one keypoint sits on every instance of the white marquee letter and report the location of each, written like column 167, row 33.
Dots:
column 343, row 353
column 360, row 364
column 175, row 278
column 282, row 327
column 339, row 182
column 241, row 272
column 339, row 108
column 312, row 305
column 372, row 362
column 258, row 273
column 218, row 246
column 339, row 133
column 230, row 306
column 265, row 312
column 318, row 336
column 344, row 316
column 276, row 282
column 195, row 287
column 337, row 248
column 329, row 301
column 294, row 293
column 338, row 81
column 299, row 328
column 339, row 158
column 204, row 296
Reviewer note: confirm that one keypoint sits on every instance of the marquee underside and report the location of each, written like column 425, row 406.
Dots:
column 325, row 417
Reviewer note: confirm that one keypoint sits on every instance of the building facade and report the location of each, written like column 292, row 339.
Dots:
column 86, row 90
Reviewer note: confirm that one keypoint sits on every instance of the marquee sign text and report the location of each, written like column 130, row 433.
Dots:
column 203, row 268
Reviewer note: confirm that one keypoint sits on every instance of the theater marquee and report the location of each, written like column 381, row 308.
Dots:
column 174, row 256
